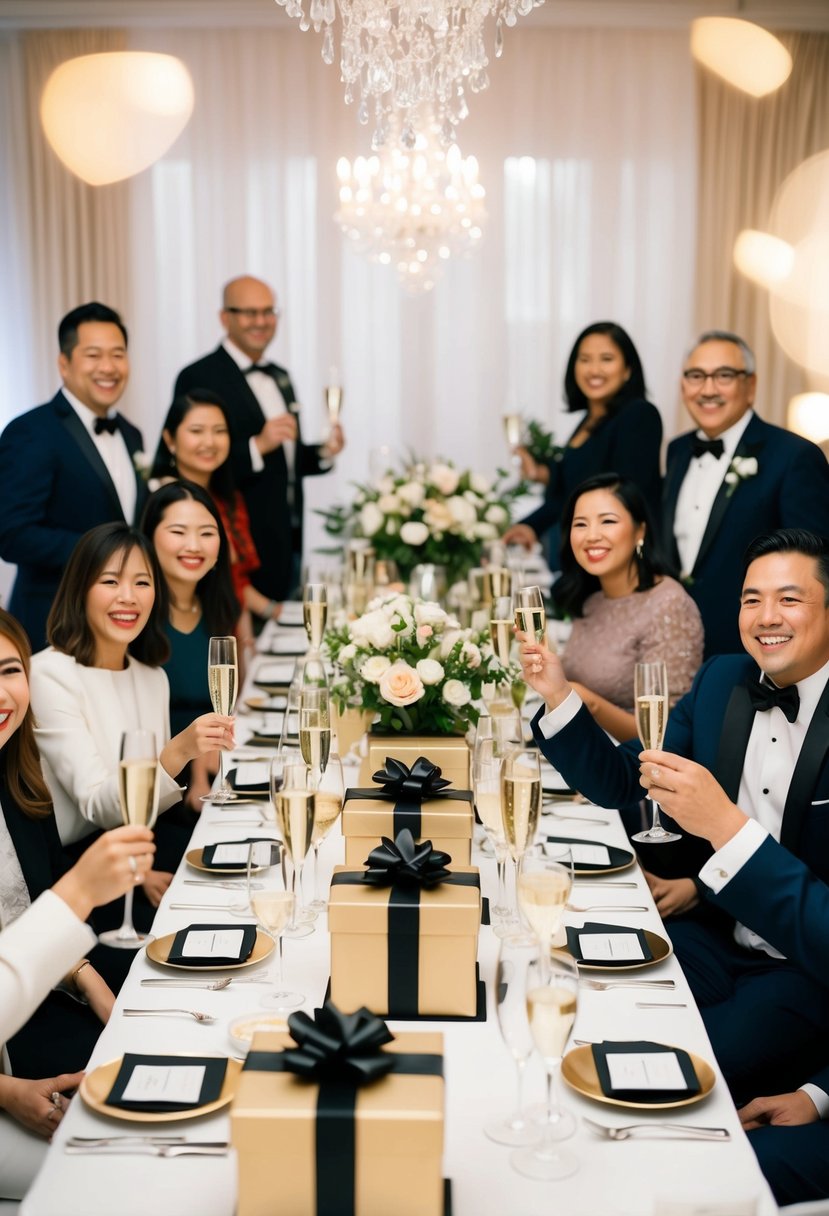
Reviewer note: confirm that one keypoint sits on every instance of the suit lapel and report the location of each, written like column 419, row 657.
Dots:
column 734, row 733
column 809, row 763
column 749, row 445
column 73, row 425
column 673, row 484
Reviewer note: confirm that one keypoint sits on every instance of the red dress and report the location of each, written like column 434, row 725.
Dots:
column 243, row 556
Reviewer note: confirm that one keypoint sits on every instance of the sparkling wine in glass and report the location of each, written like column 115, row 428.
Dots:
column 294, row 803
column 333, row 395
column 501, row 628
column 544, row 885
column 315, row 731
column 520, row 799
column 530, row 615
column 486, row 785
column 273, row 908
column 650, row 691
column 223, row 683
column 328, row 805
column 516, row 953
column 138, row 796
column 551, row 994
column 513, row 426
column 315, row 613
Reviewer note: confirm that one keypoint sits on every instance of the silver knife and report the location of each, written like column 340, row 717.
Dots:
column 150, row 1148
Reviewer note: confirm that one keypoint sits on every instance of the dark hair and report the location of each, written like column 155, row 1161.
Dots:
column 68, row 328
column 793, row 540
column 222, row 484
column 21, row 759
column 634, row 386
column 219, row 604
column 575, row 584
column 68, row 628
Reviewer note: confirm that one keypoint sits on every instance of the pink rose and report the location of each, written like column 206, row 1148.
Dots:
column 401, row 685
column 424, row 632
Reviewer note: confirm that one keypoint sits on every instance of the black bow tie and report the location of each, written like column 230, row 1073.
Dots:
column 701, row 446
column 268, row 368
column 110, row 425
column 763, row 696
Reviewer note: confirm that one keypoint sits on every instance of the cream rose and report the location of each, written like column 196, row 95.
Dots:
column 371, row 519
column 414, row 533
column 375, row 667
column 463, row 512
column 496, row 514
column 471, row 655
column 389, row 504
column 373, row 628
column 456, row 694
column 401, row 685
column 428, row 613
column 444, row 478
column 411, row 492
column 430, row 671
column 347, row 653
column 437, row 515
column 479, row 483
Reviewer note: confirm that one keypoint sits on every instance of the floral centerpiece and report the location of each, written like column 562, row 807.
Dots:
column 409, row 661
column 430, row 513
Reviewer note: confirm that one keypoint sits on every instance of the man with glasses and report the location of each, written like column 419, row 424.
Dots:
column 731, row 479
column 268, row 454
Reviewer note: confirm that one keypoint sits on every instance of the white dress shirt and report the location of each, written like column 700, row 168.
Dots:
column 266, row 391
column 113, row 451
column 699, row 488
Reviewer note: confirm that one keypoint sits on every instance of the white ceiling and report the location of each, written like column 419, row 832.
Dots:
column 632, row 14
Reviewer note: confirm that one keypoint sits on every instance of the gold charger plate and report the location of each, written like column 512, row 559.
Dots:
column 159, row 950
column 604, row 869
column 194, row 859
column 96, row 1086
column 659, row 947
column 263, row 704
column 579, row 1071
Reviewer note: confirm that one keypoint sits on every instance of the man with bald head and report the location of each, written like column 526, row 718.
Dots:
column 268, row 454
column 731, row 479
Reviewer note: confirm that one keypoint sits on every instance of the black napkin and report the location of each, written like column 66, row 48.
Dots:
column 176, row 956
column 263, row 738
column 573, row 935
column 602, row 1050
column 214, row 1077
column 618, row 857
column 261, row 789
column 209, row 851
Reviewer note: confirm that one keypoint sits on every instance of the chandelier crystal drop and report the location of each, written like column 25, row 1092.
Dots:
column 412, row 208
column 396, row 55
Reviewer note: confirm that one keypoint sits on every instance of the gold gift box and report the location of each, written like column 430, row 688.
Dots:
column 449, row 752
column 447, row 946
column 399, row 1138
column 447, row 822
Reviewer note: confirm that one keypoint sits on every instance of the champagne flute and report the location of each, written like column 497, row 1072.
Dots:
column 273, row 908
column 294, row 804
column 545, row 880
column 138, row 796
column 328, row 806
column 650, row 691
column 517, row 951
column 501, row 622
column 315, row 731
column 262, row 854
column 552, row 991
column 513, row 425
column 223, row 682
column 333, row 395
column 530, row 616
column 497, row 582
column 520, row 807
column 315, row 613
column 486, row 785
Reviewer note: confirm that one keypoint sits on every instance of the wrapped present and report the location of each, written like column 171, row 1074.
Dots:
column 404, row 933
column 417, row 798
column 449, row 752
column 340, row 1118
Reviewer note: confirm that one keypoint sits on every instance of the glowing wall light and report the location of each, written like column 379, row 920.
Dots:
column 808, row 415
column 742, row 53
column 764, row 258
column 111, row 115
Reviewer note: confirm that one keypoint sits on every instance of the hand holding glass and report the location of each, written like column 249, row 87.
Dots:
column 138, row 796
column 223, row 683
column 650, row 690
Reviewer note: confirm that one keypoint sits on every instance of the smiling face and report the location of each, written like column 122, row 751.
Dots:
column 715, row 408
column 14, row 690
column 201, row 443
column 97, row 370
column 186, row 543
column 784, row 621
column 600, row 369
column 118, row 606
column 603, row 537
column 249, row 316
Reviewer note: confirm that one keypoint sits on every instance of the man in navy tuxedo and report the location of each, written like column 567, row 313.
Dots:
column 766, row 744
column 730, row 480
column 68, row 465
column 268, row 454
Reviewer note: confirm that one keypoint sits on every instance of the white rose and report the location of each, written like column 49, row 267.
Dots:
column 496, row 514
column 744, row 466
column 373, row 628
column 449, row 640
column 371, row 519
column 437, row 515
column 392, row 526
column 479, row 483
column 471, row 654
column 411, row 492
column 484, row 531
column 374, row 667
column 347, row 653
column 414, row 533
column 463, row 512
column 401, row 685
column 444, row 478
column 456, row 693
column 388, row 504
column 429, row 613
column 385, row 485
column 430, row 671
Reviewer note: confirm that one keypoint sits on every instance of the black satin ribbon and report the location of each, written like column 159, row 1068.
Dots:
column 339, row 1083
column 403, row 937
column 406, row 815
column 408, row 788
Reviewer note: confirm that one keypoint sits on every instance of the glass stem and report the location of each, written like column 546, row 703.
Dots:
column 280, row 965
column 517, row 1122
column 222, row 778
column 547, row 1148
column 656, row 823
column 317, row 894
column 127, row 931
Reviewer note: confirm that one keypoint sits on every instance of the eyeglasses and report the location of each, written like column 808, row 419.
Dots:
column 250, row 314
column 723, row 377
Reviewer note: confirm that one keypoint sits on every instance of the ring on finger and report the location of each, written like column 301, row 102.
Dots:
column 133, row 864
column 655, row 773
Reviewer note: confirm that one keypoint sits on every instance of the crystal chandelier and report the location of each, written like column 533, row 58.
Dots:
column 397, row 54
column 412, row 209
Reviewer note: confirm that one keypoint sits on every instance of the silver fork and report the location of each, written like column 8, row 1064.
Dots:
column 211, row 985
column 230, row 885
column 195, row 1014
column 149, row 1148
column 602, row 985
column 606, row 908
column 210, row 907
column 662, row 1131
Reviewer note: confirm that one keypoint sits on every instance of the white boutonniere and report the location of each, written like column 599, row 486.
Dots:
column 740, row 469
column 142, row 464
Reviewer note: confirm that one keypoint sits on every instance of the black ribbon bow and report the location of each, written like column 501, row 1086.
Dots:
column 110, row 425
column 764, row 696
column 415, row 784
column 402, row 863
column 339, row 1046
column 268, row 368
column 701, row 446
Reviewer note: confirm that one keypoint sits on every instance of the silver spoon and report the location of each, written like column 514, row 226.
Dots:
column 195, row 1014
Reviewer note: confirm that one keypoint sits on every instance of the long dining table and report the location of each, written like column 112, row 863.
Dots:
column 632, row 1177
